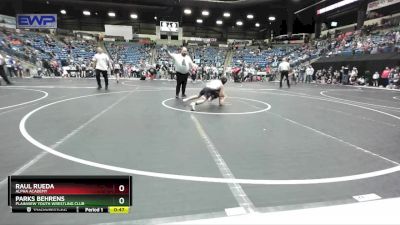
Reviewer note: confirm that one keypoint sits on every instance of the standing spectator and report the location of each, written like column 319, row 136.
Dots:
column 309, row 73
column 78, row 70
column 122, row 71
column 83, row 70
column 18, row 68
column 375, row 79
column 193, row 75
column 117, row 71
column 368, row 77
column 385, row 77
column 295, row 75
column 341, row 75
column 396, row 78
column 206, row 71
column 142, row 68
column 183, row 64
column 54, row 67
column 268, row 71
column 2, row 72
column 172, row 71
column 345, row 78
column 101, row 64
column 284, row 68
column 301, row 73
column 214, row 72
column 10, row 66
column 126, row 70
column 392, row 77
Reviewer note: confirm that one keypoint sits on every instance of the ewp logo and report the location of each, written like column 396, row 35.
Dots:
column 35, row 21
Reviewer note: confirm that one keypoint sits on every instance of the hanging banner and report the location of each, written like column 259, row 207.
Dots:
column 35, row 21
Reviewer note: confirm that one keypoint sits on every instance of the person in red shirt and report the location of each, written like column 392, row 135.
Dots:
column 268, row 70
column 385, row 77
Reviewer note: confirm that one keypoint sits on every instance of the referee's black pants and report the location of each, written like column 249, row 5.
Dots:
column 181, row 80
column 284, row 74
column 104, row 73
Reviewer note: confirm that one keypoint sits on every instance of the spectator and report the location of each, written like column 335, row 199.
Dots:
column 385, row 77
column 353, row 76
column 301, row 73
column 375, row 79
column 345, row 78
column 83, row 70
column 117, row 71
column 18, row 68
column 2, row 72
column 336, row 77
column 10, row 66
column 368, row 77
column 309, row 73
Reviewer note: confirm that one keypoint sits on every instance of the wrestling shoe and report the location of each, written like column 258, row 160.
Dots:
column 193, row 105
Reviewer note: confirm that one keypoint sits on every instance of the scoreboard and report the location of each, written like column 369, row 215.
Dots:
column 70, row 194
column 168, row 26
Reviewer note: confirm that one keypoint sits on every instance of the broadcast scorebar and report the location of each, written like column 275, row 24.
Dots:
column 70, row 194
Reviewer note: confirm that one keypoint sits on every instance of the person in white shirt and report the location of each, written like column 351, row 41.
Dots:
column 214, row 89
column 214, row 72
column 207, row 72
column 10, row 63
column 375, row 79
column 101, row 64
column 183, row 64
column 309, row 73
column 2, row 72
column 353, row 76
column 284, row 68
column 117, row 71
column 83, row 69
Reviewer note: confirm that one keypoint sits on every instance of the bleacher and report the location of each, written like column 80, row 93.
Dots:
column 252, row 56
column 14, row 44
column 208, row 55
column 353, row 43
column 127, row 53
column 48, row 48
column 83, row 50
column 162, row 57
column 38, row 46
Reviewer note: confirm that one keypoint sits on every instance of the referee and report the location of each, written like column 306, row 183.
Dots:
column 183, row 64
column 101, row 63
column 284, row 68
